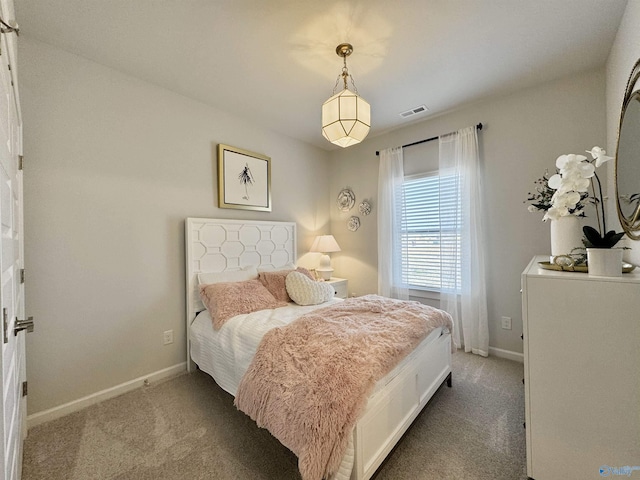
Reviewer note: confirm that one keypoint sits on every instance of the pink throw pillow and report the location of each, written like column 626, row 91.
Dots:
column 275, row 282
column 226, row 300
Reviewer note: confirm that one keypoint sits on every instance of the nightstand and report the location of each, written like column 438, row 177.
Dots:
column 340, row 285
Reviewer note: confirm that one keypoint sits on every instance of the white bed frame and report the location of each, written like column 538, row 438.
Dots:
column 215, row 245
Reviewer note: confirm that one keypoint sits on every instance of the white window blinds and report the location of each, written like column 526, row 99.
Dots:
column 431, row 226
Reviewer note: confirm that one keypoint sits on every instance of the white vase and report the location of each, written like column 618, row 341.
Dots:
column 604, row 262
column 565, row 236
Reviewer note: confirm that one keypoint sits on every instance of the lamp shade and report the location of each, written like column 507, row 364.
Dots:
column 325, row 244
column 346, row 118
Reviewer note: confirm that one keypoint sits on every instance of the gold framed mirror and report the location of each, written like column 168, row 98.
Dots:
column 627, row 162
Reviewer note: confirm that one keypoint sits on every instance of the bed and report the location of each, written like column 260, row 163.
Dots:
column 217, row 245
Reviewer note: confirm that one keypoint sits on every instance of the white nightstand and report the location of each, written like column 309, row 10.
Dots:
column 340, row 285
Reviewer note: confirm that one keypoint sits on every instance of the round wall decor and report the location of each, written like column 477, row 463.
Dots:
column 364, row 208
column 353, row 224
column 346, row 199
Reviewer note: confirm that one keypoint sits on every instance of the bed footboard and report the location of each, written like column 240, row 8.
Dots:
column 391, row 410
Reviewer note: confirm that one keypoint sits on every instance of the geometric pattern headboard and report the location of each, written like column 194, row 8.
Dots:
column 217, row 245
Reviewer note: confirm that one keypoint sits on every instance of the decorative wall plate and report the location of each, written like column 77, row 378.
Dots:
column 353, row 223
column 346, row 199
column 364, row 208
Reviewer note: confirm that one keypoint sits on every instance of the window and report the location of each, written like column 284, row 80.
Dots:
column 430, row 229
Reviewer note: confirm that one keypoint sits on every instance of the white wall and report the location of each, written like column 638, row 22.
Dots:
column 524, row 134
column 113, row 167
column 624, row 53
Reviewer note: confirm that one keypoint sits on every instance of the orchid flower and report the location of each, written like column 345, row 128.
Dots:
column 575, row 165
column 575, row 184
column 572, row 181
column 599, row 155
column 565, row 200
column 555, row 181
column 554, row 213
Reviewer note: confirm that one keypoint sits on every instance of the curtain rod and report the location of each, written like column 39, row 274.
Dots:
column 478, row 126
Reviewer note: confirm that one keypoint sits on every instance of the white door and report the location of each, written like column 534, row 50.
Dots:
column 13, row 368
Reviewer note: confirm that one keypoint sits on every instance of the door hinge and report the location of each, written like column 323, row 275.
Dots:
column 22, row 275
column 24, row 389
column 5, row 326
column 20, row 162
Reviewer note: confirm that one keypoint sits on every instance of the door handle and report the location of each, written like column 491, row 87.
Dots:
column 23, row 325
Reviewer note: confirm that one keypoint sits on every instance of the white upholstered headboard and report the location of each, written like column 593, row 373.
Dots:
column 218, row 245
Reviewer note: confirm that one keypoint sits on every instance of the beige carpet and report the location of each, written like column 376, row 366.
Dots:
column 188, row 428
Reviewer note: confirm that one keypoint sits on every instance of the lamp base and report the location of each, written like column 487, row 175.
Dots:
column 325, row 273
column 324, row 268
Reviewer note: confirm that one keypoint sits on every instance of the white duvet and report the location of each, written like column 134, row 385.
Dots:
column 225, row 354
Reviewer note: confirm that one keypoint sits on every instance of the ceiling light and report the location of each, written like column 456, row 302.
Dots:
column 346, row 117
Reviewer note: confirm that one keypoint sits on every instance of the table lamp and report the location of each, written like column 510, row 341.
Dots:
column 325, row 244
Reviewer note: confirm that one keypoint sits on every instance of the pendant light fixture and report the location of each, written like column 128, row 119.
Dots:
column 346, row 117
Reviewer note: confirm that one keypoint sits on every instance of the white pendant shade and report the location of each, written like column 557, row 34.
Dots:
column 346, row 118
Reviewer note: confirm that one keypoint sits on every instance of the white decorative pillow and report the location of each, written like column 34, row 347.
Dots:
column 305, row 291
column 271, row 268
column 247, row 273
column 275, row 282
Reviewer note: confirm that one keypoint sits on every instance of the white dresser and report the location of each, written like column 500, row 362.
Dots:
column 582, row 373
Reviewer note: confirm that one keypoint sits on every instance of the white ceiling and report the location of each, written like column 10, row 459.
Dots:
column 274, row 61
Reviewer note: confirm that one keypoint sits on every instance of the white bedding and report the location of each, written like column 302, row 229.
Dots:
column 226, row 354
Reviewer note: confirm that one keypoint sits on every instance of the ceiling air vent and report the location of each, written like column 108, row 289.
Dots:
column 414, row 111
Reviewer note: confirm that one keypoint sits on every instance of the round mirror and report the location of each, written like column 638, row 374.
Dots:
column 627, row 166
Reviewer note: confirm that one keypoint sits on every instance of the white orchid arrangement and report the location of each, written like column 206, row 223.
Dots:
column 566, row 192
column 571, row 183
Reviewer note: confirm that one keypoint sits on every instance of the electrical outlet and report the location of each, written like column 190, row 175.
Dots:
column 506, row 323
column 167, row 337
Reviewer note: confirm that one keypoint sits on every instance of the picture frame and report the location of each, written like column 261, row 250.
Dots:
column 244, row 179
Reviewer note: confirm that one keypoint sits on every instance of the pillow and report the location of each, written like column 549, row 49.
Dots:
column 247, row 273
column 275, row 282
column 226, row 300
column 305, row 291
column 271, row 268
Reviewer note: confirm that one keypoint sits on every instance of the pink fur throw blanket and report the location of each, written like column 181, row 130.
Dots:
column 309, row 381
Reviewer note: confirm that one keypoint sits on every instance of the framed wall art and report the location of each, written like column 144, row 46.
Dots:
column 244, row 179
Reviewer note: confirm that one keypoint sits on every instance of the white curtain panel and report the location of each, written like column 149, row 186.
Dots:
column 464, row 297
column 390, row 218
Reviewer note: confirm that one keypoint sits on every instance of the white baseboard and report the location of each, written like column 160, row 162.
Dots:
column 508, row 354
column 75, row 405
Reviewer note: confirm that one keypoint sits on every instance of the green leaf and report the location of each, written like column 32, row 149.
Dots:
column 592, row 235
column 616, row 238
column 593, row 239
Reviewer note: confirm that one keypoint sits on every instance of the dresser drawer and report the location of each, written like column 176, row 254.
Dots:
column 340, row 285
